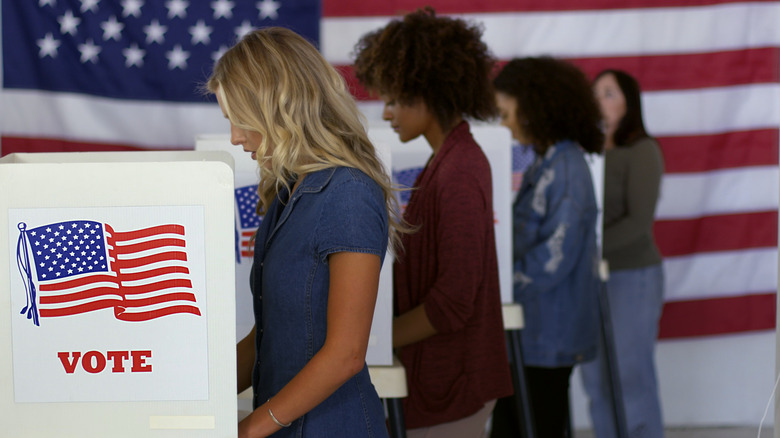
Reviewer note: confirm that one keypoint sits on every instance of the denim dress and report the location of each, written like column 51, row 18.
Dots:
column 556, row 258
column 333, row 210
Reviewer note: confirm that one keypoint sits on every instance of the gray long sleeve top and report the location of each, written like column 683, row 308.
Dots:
column 632, row 181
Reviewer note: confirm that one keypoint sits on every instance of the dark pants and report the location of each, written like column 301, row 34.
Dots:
column 548, row 389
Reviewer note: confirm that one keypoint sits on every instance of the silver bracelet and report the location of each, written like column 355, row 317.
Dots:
column 278, row 423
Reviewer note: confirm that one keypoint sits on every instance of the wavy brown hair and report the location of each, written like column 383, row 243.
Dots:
column 440, row 60
column 555, row 102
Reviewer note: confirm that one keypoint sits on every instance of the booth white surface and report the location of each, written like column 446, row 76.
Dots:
column 167, row 370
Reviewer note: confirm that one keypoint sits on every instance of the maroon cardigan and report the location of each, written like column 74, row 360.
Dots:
column 450, row 264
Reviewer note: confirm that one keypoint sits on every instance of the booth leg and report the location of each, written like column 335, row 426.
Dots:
column 395, row 413
column 522, row 399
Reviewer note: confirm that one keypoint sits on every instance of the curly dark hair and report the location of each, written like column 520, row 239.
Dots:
column 440, row 60
column 555, row 102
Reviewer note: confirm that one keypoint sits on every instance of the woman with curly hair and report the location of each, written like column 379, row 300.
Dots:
column 549, row 104
column 329, row 214
column 432, row 72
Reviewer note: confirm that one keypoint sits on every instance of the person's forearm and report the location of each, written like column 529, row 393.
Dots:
column 320, row 378
column 413, row 326
column 245, row 361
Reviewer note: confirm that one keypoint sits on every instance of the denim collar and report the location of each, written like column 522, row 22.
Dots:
column 556, row 149
column 313, row 183
column 316, row 181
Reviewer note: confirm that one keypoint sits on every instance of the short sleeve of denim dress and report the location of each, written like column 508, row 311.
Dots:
column 333, row 210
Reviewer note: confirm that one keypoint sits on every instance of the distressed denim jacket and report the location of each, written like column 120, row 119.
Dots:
column 556, row 258
column 333, row 210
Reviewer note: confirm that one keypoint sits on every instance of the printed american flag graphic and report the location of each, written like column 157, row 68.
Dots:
column 83, row 266
column 248, row 221
column 404, row 179
column 522, row 158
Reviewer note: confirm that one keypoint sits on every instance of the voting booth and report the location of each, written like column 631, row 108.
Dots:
column 117, row 299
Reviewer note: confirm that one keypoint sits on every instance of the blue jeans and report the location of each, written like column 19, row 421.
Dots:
column 635, row 300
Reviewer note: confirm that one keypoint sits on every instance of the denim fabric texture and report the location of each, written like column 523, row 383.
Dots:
column 556, row 258
column 333, row 210
column 636, row 298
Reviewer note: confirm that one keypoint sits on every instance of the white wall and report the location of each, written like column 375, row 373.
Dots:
column 712, row 381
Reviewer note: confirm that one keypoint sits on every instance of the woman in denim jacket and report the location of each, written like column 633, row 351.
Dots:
column 327, row 206
column 549, row 103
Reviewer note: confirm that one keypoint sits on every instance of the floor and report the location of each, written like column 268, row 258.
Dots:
column 720, row 432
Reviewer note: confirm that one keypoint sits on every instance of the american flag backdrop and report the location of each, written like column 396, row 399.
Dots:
column 82, row 266
column 100, row 75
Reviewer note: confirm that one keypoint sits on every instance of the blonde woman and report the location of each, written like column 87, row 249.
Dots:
column 328, row 215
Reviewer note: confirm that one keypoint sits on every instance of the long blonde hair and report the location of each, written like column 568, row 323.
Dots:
column 276, row 83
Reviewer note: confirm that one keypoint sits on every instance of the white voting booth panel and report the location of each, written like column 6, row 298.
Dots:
column 117, row 300
column 246, row 180
column 409, row 158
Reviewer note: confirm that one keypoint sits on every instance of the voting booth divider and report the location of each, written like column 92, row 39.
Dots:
column 117, row 299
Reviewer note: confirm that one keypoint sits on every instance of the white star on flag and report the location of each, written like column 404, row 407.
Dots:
column 131, row 7
column 89, row 5
column 177, row 8
column 222, row 9
column 155, row 32
column 201, row 33
column 244, row 29
column 43, row 3
column 112, row 29
column 48, row 46
column 89, row 51
column 268, row 9
column 218, row 54
column 69, row 23
column 177, row 58
column 134, row 56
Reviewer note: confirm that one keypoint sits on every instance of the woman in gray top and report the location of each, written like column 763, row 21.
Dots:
column 633, row 170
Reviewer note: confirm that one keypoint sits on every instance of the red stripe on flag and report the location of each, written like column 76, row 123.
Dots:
column 362, row 8
column 83, row 308
column 12, row 145
column 727, row 232
column 701, row 153
column 157, row 286
column 718, row 316
column 153, row 244
column 691, row 71
column 148, row 260
column 157, row 299
column 123, row 315
column 83, row 281
column 147, row 232
column 154, row 273
column 83, row 295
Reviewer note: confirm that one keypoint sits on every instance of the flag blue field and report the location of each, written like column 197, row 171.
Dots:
column 118, row 75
